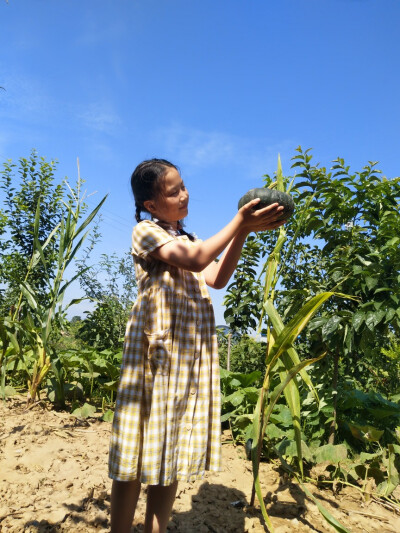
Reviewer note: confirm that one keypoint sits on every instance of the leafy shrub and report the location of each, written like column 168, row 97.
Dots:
column 247, row 355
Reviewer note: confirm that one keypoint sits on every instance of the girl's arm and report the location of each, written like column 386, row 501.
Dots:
column 218, row 274
column 198, row 256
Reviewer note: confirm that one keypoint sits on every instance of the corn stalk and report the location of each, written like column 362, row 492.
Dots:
column 280, row 339
column 289, row 357
column 38, row 323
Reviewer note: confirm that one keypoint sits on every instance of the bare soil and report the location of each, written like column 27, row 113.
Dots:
column 53, row 477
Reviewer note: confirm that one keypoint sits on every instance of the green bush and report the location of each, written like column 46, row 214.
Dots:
column 247, row 354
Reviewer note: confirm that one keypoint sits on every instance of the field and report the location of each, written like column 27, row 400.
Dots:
column 318, row 388
column 53, row 477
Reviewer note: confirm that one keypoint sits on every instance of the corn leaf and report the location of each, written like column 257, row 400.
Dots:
column 90, row 217
column 291, row 353
column 290, row 332
column 29, row 294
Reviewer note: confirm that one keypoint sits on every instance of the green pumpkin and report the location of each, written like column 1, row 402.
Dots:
column 268, row 197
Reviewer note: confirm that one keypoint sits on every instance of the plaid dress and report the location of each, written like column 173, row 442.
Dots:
column 167, row 418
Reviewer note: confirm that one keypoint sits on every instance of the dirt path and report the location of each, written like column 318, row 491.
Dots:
column 53, row 477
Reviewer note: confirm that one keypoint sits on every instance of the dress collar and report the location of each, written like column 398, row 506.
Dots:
column 168, row 227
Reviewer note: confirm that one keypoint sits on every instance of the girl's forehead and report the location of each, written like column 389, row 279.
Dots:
column 171, row 179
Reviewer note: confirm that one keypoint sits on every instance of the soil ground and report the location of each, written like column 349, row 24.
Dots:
column 53, row 477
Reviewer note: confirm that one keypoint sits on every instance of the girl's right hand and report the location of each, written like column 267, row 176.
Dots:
column 263, row 219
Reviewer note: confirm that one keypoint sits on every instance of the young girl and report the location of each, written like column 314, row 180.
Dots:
column 167, row 418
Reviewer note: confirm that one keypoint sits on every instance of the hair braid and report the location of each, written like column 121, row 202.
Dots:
column 137, row 214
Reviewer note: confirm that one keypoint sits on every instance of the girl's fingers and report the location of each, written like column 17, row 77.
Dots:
column 248, row 209
column 251, row 204
column 269, row 217
column 268, row 225
column 262, row 219
column 270, row 209
column 256, row 201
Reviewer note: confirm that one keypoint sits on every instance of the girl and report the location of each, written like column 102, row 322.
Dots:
column 167, row 419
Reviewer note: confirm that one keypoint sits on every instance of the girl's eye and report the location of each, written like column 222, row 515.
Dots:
column 175, row 193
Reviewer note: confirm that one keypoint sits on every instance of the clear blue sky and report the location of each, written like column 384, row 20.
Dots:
column 218, row 87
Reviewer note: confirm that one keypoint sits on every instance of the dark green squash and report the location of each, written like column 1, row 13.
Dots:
column 268, row 197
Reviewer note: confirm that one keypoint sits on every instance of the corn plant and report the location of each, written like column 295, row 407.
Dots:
column 38, row 322
column 280, row 338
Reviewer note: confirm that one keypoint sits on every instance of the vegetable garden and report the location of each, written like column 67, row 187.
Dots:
column 310, row 357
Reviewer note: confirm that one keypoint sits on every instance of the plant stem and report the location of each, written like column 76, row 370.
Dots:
column 332, row 428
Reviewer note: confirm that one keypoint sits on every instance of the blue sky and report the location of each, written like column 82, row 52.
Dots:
column 218, row 87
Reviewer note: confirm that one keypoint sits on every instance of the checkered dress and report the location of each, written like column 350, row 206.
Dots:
column 167, row 419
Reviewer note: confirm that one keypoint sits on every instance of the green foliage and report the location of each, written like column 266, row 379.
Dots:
column 352, row 218
column 247, row 354
column 87, row 374
column 85, row 411
column 379, row 463
column 239, row 396
column 343, row 237
column 111, row 285
column 352, row 251
column 33, row 318
column 42, row 228
column 25, row 185
column 386, row 371
column 103, row 327
column 244, row 295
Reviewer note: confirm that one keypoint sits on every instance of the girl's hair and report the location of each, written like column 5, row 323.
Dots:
column 146, row 183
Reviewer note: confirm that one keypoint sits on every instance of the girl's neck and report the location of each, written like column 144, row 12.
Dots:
column 175, row 228
column 175, row 225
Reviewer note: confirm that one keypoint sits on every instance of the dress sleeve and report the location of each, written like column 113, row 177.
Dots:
column 147, row 236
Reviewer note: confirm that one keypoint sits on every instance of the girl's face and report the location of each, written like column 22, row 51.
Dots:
column 171, row 204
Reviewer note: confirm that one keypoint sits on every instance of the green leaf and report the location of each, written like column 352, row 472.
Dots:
column 236, row 398
column 278, row 326
column 85, row 411
column 108, row 416
column 28, row 292
column 358, row 319
column 371, row 282
column 289, row 448
column 334, row 453
column 373, row 434
column 7, row 391
column 390, row 314
column 363, row 261
column 274, row 432
column 90, row 217
column 331, row 326
column 396, row 448
column 227, row 416
column 373, row 318
column 296, row 325
column 364, row 457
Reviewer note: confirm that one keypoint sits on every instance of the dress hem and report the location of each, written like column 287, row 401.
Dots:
column 180, row 477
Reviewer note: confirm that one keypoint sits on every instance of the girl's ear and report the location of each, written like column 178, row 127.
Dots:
column 150, row 206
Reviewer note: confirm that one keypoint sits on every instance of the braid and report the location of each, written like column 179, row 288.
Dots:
column 137, row 214
column 189, row 235
column 183, row 232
